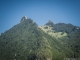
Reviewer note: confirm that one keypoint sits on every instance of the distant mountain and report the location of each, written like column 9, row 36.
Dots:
column 27, row 41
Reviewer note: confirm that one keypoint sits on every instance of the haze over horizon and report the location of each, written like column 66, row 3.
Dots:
column 65, row 11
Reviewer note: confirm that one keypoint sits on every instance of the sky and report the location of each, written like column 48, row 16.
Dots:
column 41, row 11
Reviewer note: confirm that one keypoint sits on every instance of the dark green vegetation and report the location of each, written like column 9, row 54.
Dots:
column 26, row 41
column 72, row 40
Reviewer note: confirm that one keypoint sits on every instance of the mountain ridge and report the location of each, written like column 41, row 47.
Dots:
column 27, row 41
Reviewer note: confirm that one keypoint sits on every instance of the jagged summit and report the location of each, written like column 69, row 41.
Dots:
column 23, row 18
column 50, row 23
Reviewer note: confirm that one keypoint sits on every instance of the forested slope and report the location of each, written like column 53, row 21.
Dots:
column 26, row 41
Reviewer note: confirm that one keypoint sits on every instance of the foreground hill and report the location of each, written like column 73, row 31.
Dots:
column 27, row 41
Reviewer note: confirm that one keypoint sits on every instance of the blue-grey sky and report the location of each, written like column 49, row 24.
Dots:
column 65, row 11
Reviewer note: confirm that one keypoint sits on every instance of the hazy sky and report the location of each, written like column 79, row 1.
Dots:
column 65, row 11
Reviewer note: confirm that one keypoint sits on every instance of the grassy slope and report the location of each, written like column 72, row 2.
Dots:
column 52, row 32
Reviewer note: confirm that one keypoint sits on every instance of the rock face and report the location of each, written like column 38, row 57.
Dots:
column 50, row 23
column 23, row 18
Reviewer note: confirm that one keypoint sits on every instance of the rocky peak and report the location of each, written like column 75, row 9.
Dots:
column 23, row 18
column 50, row 21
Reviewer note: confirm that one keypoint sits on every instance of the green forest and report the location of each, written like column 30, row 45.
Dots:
column 27, row 41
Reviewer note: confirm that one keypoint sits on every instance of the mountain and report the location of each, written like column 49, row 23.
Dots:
column 27, row 41
column 68, row 34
